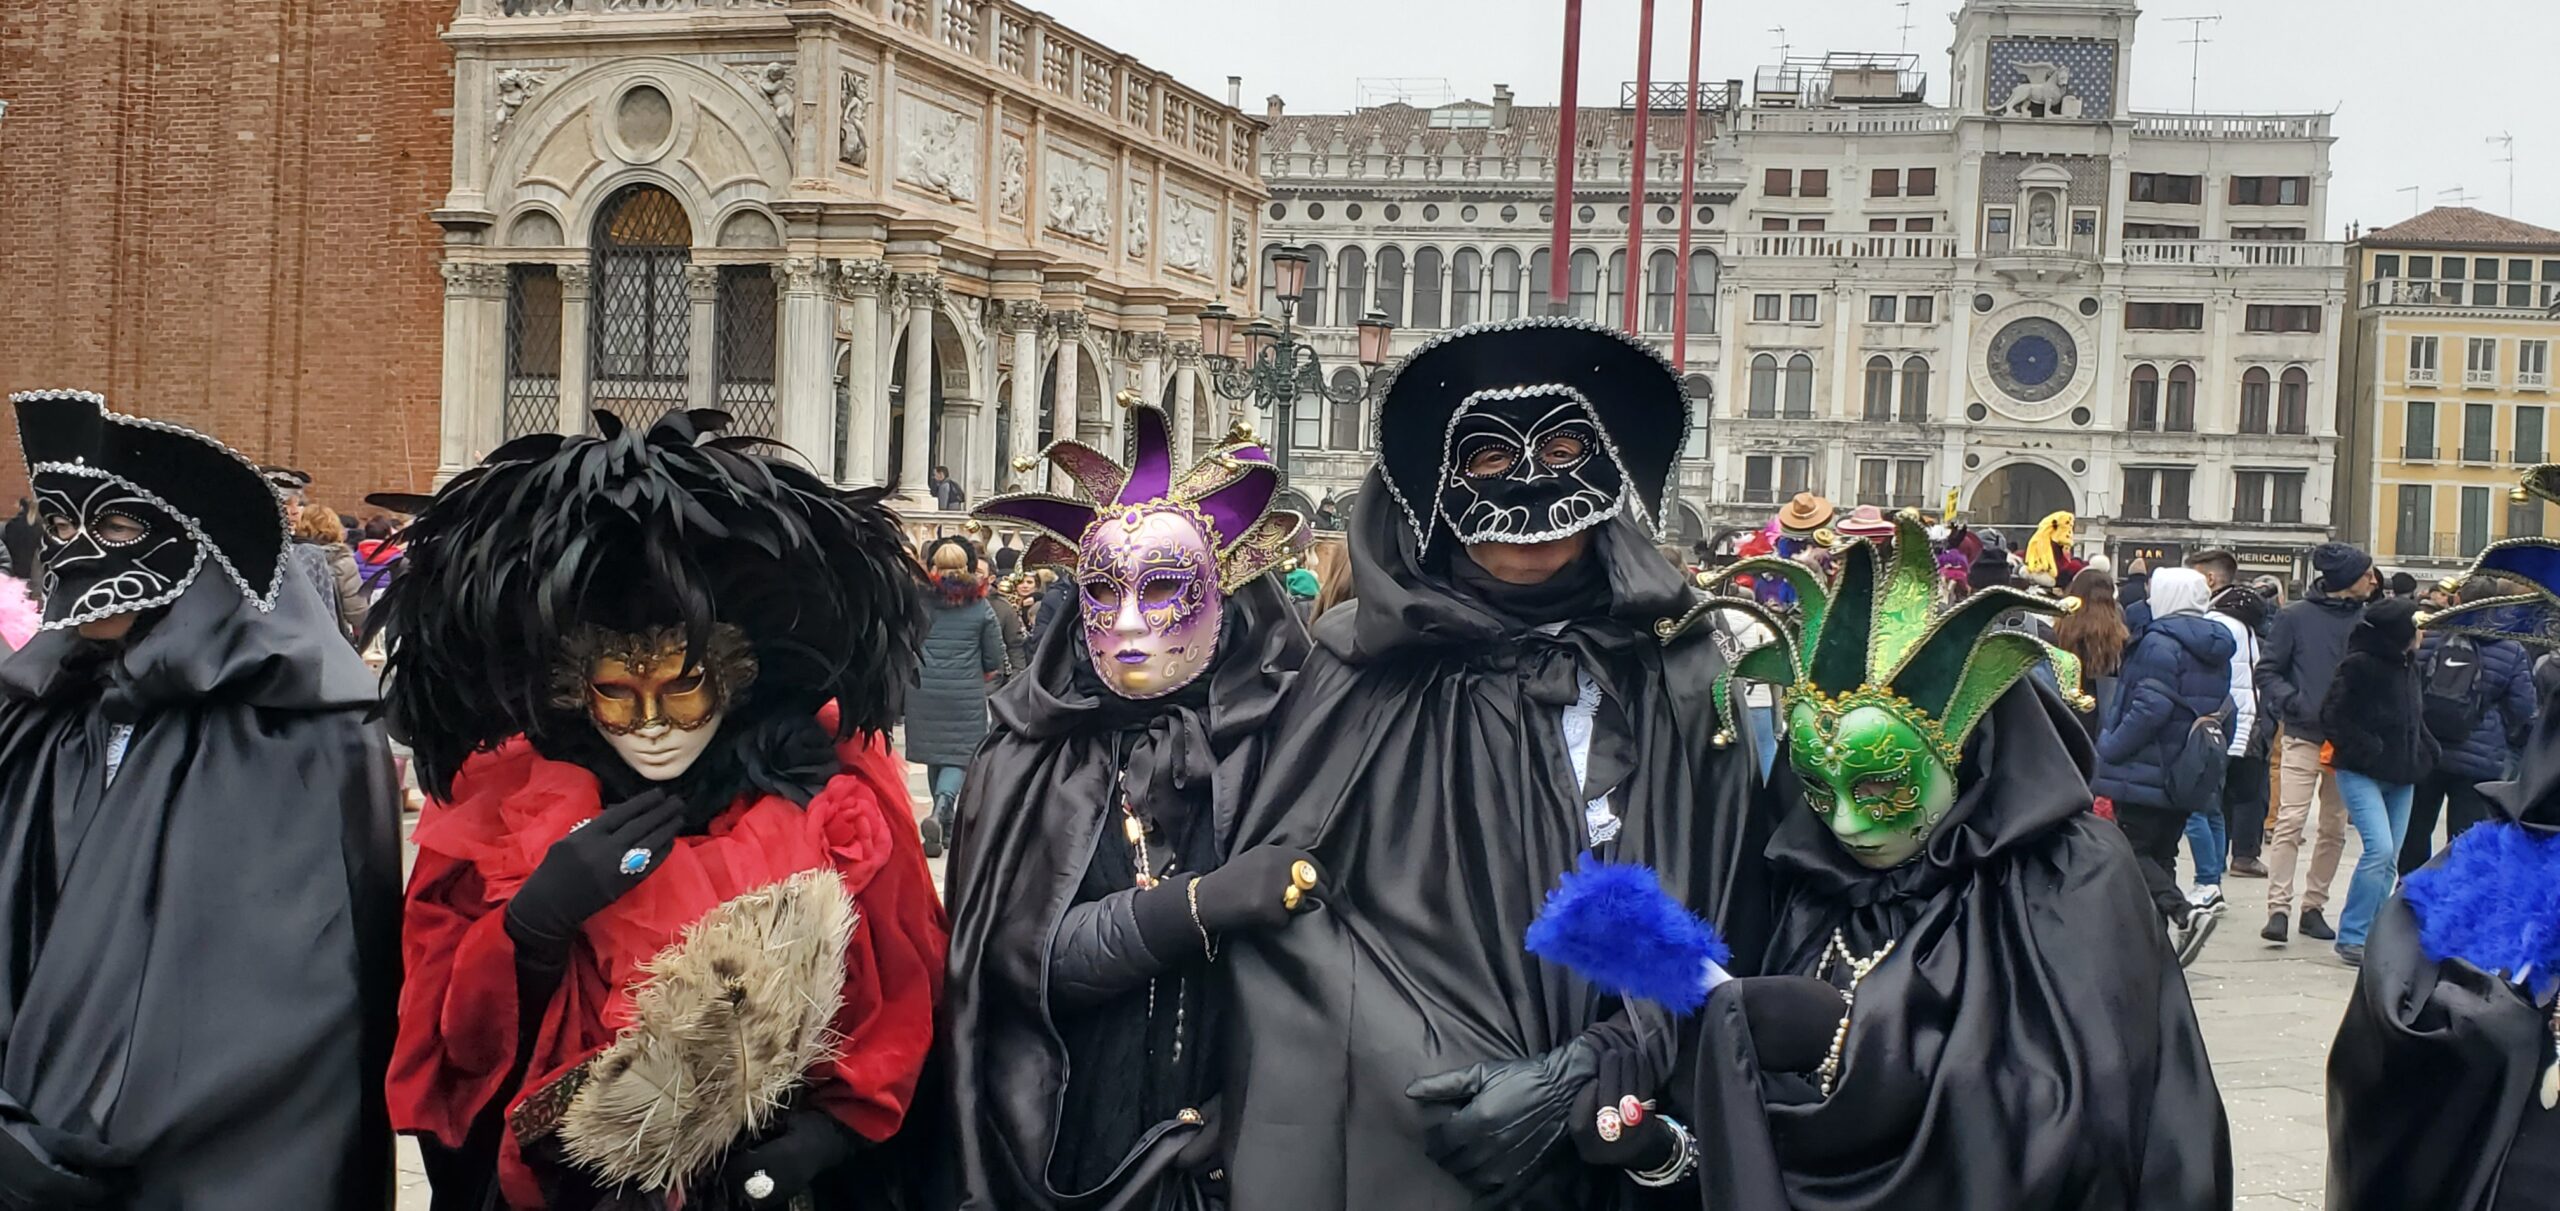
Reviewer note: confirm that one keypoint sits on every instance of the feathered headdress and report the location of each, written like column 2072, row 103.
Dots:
column 1229, row 492
column 677, row 527
column 1873, row 638
column 2530, row 615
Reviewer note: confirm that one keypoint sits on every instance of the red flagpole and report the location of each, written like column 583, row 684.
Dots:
column 1632, row 286
column 1559, row 249
column 1688, row 193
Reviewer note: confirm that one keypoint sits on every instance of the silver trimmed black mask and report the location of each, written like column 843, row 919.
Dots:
column 1527, row 465
column 109, row 548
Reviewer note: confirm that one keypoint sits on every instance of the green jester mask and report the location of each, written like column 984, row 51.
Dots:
column 1880, row 691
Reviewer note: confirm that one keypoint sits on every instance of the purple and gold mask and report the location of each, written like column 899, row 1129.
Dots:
column 1148, row 578
column 1155, row 555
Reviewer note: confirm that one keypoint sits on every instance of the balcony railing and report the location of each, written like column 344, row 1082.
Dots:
column 2525, row 458
column 1915, row 121
column 2394, row 292
column 2231, row 126
column 1017, row 42
column 2422, row 376
column 2238, row 254
column 2483, row 455
column 2536, row 379
column 2479, row 378
column 2417, row 453
column 1843, row 247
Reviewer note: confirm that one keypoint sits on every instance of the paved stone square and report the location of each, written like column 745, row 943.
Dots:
column 2269, row 1013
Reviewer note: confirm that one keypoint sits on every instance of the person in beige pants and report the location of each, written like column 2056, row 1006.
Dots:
column 2304, row 646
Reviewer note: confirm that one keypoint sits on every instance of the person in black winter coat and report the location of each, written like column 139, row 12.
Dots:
column 2379, row 749
column 2177, row 671
column 2303, row 648
column 2500, row 687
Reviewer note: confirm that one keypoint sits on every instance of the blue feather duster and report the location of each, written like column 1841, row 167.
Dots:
column 2493, row 902
column 1612, row 924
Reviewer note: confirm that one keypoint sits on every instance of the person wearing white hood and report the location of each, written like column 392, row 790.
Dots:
column 2209, row 825
column 2165, row 748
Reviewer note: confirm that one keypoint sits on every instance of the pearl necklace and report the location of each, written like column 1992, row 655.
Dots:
column 1859, row 968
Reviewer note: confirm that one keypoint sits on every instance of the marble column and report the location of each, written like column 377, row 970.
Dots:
column 575, row 281
column 1186, row 427
column 922, row 295
column 702, row 340
column 1024, row 315
column 863, row 283
column 806, row 407
column 1069, row 325
column 475, row 364
column 1148, row 348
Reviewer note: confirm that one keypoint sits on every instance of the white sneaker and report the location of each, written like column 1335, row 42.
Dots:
column 2207, row 899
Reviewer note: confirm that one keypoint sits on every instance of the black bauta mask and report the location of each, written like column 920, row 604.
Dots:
column 1528, row 465
column 109, row 549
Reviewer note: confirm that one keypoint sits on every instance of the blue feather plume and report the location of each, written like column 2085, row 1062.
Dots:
column 1612, row 924
column 2493, row 901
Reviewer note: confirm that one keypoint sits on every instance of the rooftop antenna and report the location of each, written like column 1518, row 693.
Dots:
column 2197, row 39
column 2413, row 191
column 1905, row 6
column 1783, row 45
column 2460, row 195
column 2507, row 141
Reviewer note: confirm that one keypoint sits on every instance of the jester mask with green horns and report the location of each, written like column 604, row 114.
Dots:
column 1880, row 690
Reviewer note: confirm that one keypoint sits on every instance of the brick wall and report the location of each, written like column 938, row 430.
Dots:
column 215, row 211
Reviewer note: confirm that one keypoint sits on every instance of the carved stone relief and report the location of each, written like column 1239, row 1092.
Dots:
column 1138, row 228
column 1190, row 234
column 773, row 81
column 1079, row 201
column 937, row 149
column 853, row 143
column 1239, row 255
column 515, row 88
column 1012, row 181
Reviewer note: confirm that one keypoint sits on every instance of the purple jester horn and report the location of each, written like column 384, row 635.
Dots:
column 1155, row 555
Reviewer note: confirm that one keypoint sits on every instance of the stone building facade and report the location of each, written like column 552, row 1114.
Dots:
column 217, row 215
column 893, row 234
column 2033, row 297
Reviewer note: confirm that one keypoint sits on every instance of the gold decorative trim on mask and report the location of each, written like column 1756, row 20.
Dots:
column 727, row 669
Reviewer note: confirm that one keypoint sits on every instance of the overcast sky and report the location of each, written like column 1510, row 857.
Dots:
column 2419, row 86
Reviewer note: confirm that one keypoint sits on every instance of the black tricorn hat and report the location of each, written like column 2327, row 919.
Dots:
column 1642, row 405
column 210, row 488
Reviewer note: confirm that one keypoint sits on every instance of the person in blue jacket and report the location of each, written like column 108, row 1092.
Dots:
column 2495, row 698
column 2177, row 671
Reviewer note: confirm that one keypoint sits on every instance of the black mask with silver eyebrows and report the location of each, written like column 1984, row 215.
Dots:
column 1527, row 465
column 108, row 549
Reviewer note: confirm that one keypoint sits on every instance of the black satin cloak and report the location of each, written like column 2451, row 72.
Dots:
column 2436, row 1071
column 1420, row 757
column 202, row 958
column 1038, row 801
column 2028, row 1046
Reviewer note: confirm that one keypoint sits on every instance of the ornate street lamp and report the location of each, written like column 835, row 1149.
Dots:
column 1276, row 367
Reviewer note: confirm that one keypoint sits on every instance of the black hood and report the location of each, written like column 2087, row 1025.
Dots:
column 1409, row 603
column 211, row 643
column 1260, row 646
column 2025, row 772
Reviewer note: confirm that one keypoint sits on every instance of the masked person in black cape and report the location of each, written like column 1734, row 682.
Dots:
column 2444, row 1082
column 1091, row 883
column 199, row 848
column 1497, row 705
column 2012, row 1033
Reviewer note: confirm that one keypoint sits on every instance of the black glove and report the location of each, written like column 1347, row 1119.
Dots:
column 1201, row 1150
column 42, row 1169
column 583, row 873
column 808, row 1143
column 1251, row 890
column 1624, row 1072
column 1791, row 1019
column 1509, row 1115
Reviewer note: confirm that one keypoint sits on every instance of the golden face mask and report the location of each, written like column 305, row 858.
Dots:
column 636, row 683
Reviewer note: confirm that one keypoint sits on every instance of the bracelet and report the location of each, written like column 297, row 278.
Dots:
column 1683, row 1162
column 1208, row 945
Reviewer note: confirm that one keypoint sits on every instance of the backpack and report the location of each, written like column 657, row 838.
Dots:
column 2202, row 759
column 2451, row 701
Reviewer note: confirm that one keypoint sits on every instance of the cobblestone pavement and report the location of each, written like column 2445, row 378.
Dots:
column 2269, row 1013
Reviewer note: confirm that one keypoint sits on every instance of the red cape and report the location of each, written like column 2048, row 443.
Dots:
column 458, row 1011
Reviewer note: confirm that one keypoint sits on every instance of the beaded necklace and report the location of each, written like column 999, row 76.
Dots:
column 1859, row 968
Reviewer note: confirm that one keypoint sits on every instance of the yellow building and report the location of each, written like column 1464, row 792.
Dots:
column 2445, row 385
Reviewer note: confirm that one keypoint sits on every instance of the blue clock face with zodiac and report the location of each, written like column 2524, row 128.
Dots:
column 2033, row 359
